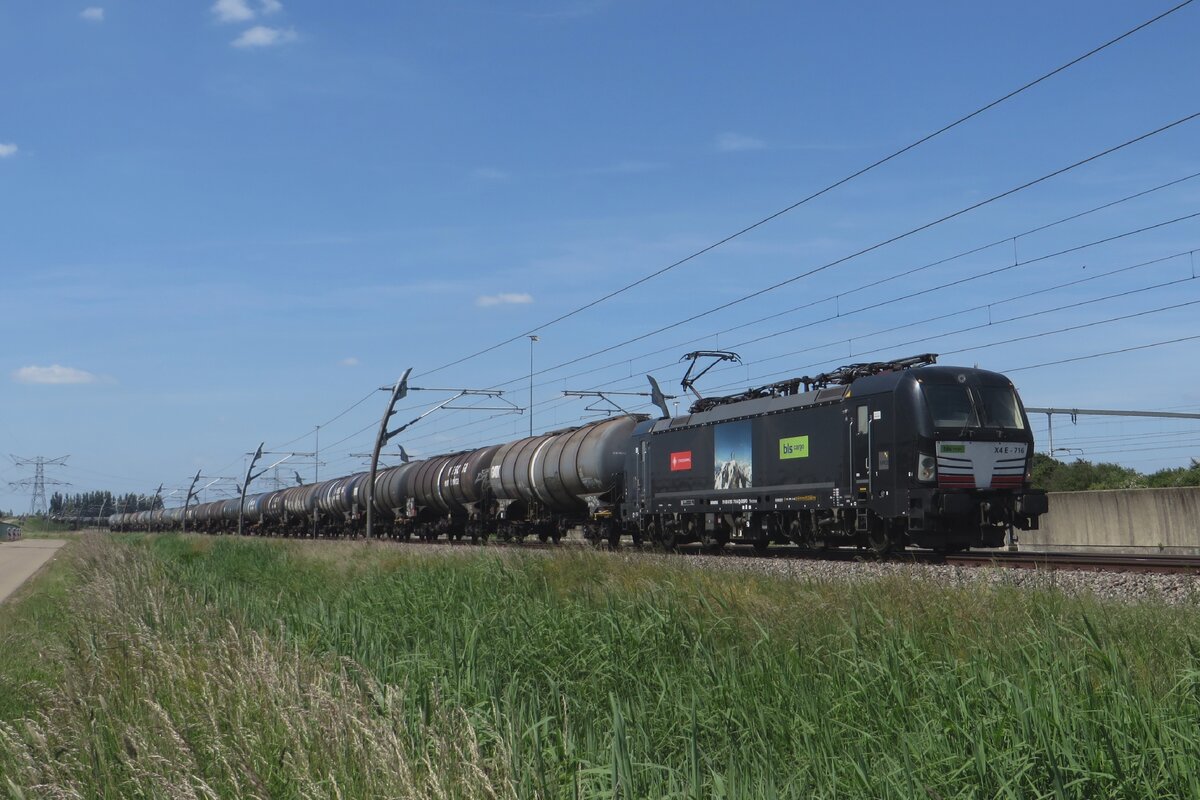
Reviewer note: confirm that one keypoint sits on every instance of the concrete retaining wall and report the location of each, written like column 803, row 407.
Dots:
column 1160, row 520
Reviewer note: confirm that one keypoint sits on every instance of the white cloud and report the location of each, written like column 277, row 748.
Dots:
column 262, row 36
column 233, row 10
column 490, row 174
column 733, row 142
column 53, row 374
column 92, row 14
column 503, row 299
column 242, row 11
column 7, row 150
column 349, row 362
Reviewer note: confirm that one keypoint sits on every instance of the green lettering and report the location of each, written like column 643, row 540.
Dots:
column 793, row 447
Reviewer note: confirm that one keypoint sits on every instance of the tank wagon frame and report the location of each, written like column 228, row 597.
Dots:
column 879, row 456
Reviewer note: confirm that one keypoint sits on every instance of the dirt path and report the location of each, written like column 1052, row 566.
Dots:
column 21, row 559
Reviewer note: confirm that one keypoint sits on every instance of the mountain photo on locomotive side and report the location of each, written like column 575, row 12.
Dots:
column 737, row 470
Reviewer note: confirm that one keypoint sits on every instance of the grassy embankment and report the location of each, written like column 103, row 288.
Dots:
column 189, row 667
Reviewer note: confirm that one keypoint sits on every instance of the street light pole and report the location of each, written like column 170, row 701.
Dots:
column 532, row 339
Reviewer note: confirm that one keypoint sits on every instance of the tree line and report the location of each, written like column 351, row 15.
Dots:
column 1082, row 475
column 100, row 504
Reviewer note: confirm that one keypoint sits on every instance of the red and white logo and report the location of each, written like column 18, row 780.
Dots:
column 681, row 462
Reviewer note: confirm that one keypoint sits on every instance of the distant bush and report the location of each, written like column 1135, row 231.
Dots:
column 1082, row 475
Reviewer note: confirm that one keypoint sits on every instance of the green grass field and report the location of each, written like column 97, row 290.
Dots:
column 188, row 667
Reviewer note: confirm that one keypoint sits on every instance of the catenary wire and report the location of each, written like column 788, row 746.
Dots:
column 877, row 245
column 1007, row 341
column 862, row 287
column 1101, row 355
column 880, row 245
column 814, row 195
column 1081, row 326
column 1006, row 239
column 945, row 285
column 903, row 274
column 863, row 251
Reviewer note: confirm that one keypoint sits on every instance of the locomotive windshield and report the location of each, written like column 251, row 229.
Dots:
column 955, row 405
column 1000, row 409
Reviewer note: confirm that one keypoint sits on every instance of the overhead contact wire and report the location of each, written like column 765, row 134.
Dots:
column 819, row 193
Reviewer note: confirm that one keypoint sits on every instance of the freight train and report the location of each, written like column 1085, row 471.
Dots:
column 877, row 456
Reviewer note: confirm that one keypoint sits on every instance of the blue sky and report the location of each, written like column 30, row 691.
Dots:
column 225, row 223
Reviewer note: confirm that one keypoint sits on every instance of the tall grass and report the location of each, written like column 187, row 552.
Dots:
column 160, row 698
column 318, row 669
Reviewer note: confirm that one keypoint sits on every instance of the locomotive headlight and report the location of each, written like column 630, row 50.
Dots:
column 926, row 467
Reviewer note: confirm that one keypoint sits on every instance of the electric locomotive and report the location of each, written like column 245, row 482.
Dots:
column 878, row 455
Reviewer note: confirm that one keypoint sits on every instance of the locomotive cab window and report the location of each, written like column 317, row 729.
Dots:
column 961, row 406
column 1000, row 408
column 951, row 405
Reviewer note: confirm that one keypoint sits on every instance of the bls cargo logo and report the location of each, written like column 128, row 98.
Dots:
column 681, row 462
column 793, row 447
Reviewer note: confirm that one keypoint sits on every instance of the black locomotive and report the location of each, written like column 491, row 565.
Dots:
column 879, row 455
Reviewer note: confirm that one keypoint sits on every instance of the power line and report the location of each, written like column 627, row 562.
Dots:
column 974, row 250
column 977, row 276
column 884, row 243
column 893, row 277
column 986, row 345
column 861, row 252
column 816, row 194
column 1195, row 447
column 878, row 245
column 927, row 225
column 1014, row 298
column 928, row 290
column 329, row 421
column 1079, row 327
column 1016, row 339
column 1101, row 355
column 839, row 261
column 1105, row 441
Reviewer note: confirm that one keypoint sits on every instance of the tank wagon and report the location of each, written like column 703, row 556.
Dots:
column 879, row 455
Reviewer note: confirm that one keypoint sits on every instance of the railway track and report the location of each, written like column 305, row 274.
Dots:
column 1086, row 562
column 1093, row 562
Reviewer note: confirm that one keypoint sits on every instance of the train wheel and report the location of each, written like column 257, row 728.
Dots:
column 670, row 536
column 662, row 533
column 613, row 534
column 879, row 538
